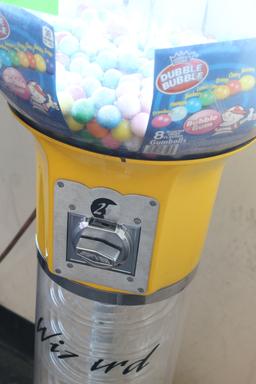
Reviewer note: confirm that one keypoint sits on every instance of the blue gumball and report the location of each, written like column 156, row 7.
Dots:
column 128, row 62
column 93, row 70
column 111, row 78
column 69, row 45
column 109, row 116
column 107, row 59
column 103, row 96
column 194, row 105
column 90, row 85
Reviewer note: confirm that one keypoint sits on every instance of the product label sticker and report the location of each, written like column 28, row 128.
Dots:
column 27, row 67
column 204, row 99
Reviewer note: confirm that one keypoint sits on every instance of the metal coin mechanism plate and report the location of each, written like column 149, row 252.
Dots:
column 103, row 237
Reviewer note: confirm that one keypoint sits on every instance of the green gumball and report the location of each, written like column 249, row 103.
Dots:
column 83, row 111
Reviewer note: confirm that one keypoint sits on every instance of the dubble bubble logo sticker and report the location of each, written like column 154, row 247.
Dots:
column 184, row 73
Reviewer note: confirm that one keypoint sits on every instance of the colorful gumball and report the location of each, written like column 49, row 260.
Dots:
column 161, row 121
column 235, row 86
column 247, row 82
column 69, row 45
column 222, row 92
column 103, row 96
column 133, row 144
column 77, row 92
column 96, row 130
column 79, row 64
column 40, row 63
column 110, row 142
column 122, row 132
column 88, row 138
column 139, row 124
column 128, row 62
column 90, row 85
column 66, row 102
column 109, row 116
column 111, row 78
column 94, row 70
column 83, row 110
column 207, row 98
column 194, row 105
column 129, row 105
column 31, row 60
column 178, row 113
column 107, row 59
column 23, row 59
column 73, row 124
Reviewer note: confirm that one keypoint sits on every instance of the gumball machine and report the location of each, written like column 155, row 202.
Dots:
column 134, row 107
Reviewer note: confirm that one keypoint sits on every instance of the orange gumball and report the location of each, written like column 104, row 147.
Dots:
column 96, row 130
column 222, row 92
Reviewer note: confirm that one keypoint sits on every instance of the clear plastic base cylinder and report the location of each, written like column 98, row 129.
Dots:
column 81, row 341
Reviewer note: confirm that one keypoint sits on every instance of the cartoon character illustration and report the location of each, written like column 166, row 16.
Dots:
column 233, row 118
column 16, row 83
column 41, row 100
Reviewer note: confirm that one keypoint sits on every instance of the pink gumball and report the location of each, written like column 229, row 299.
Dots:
column 129, row 105
column 76, row 92
column 111, row 143
column 60, row 35
column 161, row 121
column 139, row 124
column 126, row 87
column 62, row 59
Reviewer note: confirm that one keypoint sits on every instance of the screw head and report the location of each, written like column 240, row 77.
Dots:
column 141, row 290
column 57, row 270
column 60, row 184
column 130, row 279
column 72, row 207
column 137, row 221
column 152, row 203
column 70, row 265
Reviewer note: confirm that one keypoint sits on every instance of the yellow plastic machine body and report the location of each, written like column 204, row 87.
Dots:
column 185, row 190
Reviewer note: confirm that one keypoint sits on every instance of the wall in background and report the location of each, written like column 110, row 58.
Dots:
column 219, row 344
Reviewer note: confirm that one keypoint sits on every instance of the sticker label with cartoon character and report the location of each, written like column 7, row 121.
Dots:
column 27, row 67
column 204, row 99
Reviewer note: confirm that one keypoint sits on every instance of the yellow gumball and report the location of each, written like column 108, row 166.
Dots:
column 66, row 102
column 24, row 62
column 222, row 92
column 40, row 63
column 247, row 82
column 122, row 132
column 74, row 125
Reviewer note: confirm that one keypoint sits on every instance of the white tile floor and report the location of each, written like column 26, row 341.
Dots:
column 219, row 344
